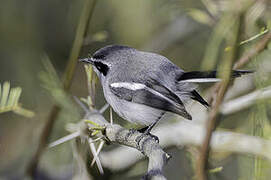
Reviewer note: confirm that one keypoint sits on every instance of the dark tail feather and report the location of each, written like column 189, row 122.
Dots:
column 208, row 76
column 238, row 73
column 195, row 96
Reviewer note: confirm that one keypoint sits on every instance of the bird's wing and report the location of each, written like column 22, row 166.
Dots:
column 154, row 95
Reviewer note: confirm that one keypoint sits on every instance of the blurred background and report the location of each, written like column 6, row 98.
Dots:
column 40, row 42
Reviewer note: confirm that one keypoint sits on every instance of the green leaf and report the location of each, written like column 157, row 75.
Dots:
column 200, row 16
column 93, row 123
column 5, row 94
column 216, row 170
column 9, row 100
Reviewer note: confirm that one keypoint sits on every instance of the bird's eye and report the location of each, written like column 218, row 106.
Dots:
column 103, row 68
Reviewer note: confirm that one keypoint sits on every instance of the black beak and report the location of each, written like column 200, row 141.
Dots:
column 87, row 60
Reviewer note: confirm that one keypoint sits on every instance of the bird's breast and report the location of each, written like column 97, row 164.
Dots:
column 130, row 111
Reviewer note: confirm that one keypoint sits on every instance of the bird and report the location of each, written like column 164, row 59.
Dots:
column 142, row 87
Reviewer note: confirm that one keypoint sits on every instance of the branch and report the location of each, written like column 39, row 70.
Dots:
column 260, row 46
column 147, row 145
column 225, row 67
column 132, row 138
column 245, row 101
column 186, row 133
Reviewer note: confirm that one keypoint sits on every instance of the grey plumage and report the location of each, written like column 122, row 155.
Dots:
column 142, row 86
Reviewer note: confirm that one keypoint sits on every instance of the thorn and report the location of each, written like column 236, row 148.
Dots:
column 95, row 140
column 64, row 139
column 98, row 152
column 94, row 152
column 104, row 108
column 84, row 107
column 111, row 116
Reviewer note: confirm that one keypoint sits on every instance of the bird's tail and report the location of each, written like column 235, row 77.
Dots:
column 208, row 76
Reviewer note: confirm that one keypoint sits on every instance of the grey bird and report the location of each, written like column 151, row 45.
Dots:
column 142, row 86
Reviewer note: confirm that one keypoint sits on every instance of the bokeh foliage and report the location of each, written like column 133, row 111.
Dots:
column 36, row 42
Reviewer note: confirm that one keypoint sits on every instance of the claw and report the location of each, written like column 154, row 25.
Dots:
column 156, row 139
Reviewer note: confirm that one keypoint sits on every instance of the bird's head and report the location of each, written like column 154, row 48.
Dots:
column 107, row 58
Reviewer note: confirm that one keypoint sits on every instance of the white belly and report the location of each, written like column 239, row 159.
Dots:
column 133, row 112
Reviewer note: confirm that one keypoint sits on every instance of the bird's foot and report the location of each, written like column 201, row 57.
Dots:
column 153, row 137
column 146, row 132
column 140, row 137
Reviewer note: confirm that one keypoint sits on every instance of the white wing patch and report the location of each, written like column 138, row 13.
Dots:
column 128, row 85
column 203, row 80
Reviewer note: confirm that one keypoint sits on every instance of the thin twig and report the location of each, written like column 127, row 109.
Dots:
column 254, row 37
column 245, row 101
column 67, row 79
column 246, row 58
column 226, row 65
column 87, row 12
column 33, row 164
column 260, row 46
